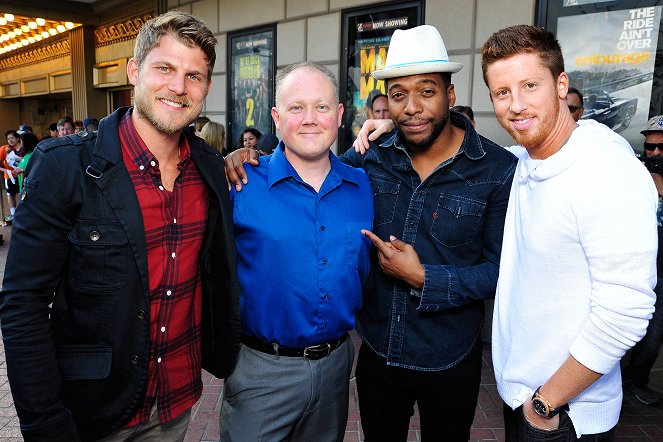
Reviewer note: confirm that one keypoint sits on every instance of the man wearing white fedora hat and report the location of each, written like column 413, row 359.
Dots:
column 579, row 253
column 440, row 198
column 440, row 194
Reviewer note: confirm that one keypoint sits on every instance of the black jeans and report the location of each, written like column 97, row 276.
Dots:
column 517, row 429
column 645, row 352
column 446, row 399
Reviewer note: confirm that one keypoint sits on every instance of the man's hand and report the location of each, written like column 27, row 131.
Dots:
column 235, row 173
column 537, row 421
column 370, row 131
column 398, row 259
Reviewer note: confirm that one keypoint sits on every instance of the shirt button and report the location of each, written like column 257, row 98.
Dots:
column 322, row 228
column 153, row 163
column 324, row 326
column 325, row 296
column 163, row 329
column 173, row 255
column 141, row 314
column 160, row 187
column 174, row 220
column 324, row 262
column 169, row 292
column 95, row 235
column 135, row 359
column 141, row 167
column 159, row 360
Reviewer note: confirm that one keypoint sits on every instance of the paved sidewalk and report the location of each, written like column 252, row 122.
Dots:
column 637, row 423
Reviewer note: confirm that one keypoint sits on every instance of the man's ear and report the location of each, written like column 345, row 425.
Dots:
column 451, row 95
column 275, row 117
column 563, row 85
column 132, row 71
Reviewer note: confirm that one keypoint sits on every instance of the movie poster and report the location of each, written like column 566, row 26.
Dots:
column 251, row 93
column 368, row 33
column 610, row 58
column 371, row 55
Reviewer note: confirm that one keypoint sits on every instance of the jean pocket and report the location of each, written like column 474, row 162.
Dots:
column 528, row 433
column 98, row 256
column 456, row 219
column 385, row 195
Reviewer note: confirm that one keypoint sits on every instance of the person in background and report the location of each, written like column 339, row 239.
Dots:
column 214, row 134
column 467, row 111
column 575, row 102
column 267, row 143
column 52, row 131
column 28, row 143
column 377, row 106
column 65, row 126
column 24, row 128
column 91, row 124
column 578, row 259
column 645, row 352
column 249, row 138
column 78, row 126
column 131, row 286
column 198, row 125
column 11, row 183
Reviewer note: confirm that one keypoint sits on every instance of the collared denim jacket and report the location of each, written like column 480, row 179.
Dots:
column 454, row 219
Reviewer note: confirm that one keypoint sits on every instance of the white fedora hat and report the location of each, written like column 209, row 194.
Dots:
column 416, row 51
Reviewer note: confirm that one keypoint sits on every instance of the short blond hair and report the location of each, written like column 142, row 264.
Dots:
column 187, row 29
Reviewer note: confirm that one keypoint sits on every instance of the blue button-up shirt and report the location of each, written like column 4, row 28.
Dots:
column 302, row 259
column 454, row 219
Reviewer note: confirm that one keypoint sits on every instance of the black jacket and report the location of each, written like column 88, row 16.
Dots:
column 74, row 306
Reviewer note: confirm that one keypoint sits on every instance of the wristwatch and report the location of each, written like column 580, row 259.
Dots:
column 543, row 408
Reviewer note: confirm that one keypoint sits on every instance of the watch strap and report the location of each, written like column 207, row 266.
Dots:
column 552, row 411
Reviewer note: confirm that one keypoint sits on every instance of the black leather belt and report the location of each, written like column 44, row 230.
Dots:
column 314, row 352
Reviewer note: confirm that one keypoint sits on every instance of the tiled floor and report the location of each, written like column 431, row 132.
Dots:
column 637, row 423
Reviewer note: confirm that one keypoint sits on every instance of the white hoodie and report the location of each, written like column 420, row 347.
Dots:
column 577, row 270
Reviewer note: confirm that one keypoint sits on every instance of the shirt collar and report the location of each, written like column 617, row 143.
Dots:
column 279, row 168
column 138, row 151
column 471, row 146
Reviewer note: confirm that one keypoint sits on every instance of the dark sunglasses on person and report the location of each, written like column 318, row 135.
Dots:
column 653, row 146
column 573, row 108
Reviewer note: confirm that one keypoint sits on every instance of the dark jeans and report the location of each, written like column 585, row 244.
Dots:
column 517, row 429
column 446, row 399
column 645, row 352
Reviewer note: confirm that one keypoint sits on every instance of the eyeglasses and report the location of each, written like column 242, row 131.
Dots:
column 653, row 146
column 573, row 108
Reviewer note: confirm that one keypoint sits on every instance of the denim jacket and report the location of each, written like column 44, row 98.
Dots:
column 454, row 219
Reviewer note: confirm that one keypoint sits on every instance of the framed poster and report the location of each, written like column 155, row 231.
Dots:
column 613, row 55
column 366, row 34
column 250, row 85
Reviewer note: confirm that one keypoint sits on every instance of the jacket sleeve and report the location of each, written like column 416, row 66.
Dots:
column 449, row 286
column 35, row 264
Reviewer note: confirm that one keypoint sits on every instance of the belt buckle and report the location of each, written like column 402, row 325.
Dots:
column 315, row 352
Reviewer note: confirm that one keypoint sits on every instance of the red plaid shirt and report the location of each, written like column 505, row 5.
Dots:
column 174, row 229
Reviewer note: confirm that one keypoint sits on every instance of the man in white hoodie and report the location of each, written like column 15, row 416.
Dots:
column 579, row 253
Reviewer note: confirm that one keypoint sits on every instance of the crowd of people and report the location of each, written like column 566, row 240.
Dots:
column 146, row 263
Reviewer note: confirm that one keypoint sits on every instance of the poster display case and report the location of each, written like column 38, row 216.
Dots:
column 613, row 55
column 251, row 69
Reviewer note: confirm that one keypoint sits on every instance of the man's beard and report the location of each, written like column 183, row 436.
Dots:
column 537, row 138
column 425, row 143
column 143, row 105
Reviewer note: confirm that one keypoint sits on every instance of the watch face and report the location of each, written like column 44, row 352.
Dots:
column 540, row 407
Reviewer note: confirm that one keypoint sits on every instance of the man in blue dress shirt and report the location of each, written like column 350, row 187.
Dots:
column 302, row 262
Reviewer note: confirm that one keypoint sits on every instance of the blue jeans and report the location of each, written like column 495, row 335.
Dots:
column 517, row 429
column 645, row 352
